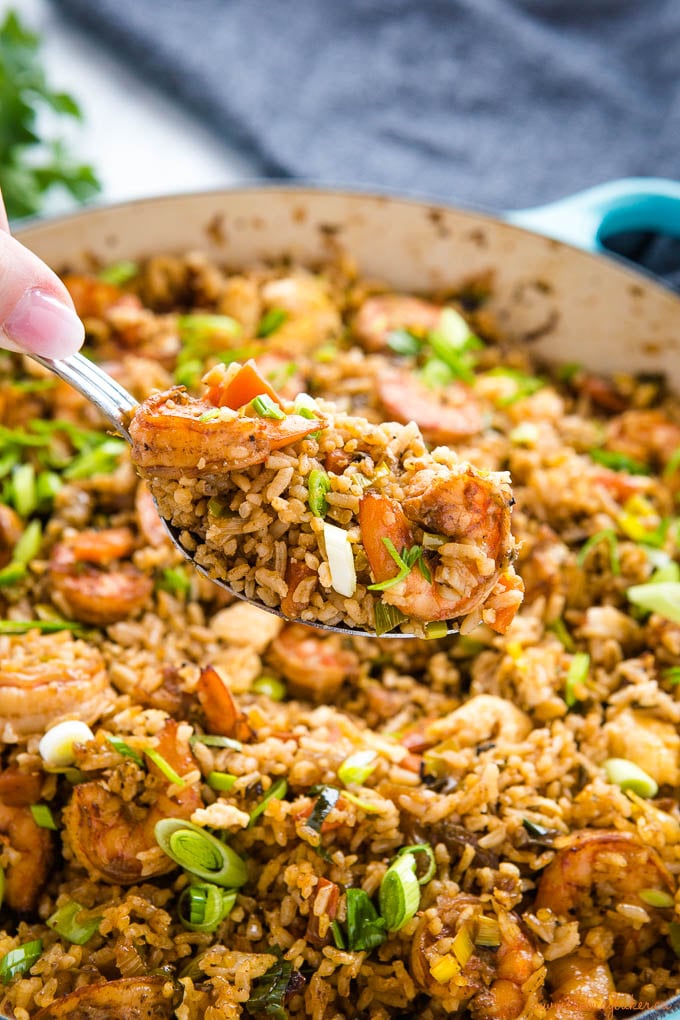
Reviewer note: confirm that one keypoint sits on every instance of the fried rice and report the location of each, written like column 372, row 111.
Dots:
column 207, row 811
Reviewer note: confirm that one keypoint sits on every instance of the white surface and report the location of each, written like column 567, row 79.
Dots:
column 137, row 140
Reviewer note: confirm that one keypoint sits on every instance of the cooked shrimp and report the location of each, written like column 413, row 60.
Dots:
column 379, row 315
column 10, row 532
column 311, row 313
column 174, row 434
column 582, row 987
column 468, row 510
column 444, row 415
column 221, row 711
column 93, row 297
column 149, row 520
column 647, row 436
column 599, row 872
column 112, row 838
column 132, row 998
column 90, row 593
column 48, row 677
column 481, row 718
column 29, row 846
column 490, row 983
column 314, row 666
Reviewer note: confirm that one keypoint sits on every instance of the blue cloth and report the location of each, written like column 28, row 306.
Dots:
column 498, row 104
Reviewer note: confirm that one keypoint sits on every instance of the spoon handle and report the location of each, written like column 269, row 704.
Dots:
column 95, row 385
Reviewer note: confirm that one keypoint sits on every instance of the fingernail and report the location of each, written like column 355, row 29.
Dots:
column 41, row 324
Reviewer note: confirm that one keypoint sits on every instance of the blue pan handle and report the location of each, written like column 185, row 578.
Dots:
column 584, row 219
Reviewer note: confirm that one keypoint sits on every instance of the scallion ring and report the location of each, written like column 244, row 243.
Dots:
column 68, row 923
column 357, row 767
column 19, row 960
column 200, row 853
column 203, row 906
column 422, row 848
column 399, row 895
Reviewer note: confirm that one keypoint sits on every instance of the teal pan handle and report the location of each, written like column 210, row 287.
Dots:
column 586, row 218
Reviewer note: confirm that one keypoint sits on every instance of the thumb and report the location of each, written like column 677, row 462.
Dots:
column 36, row 311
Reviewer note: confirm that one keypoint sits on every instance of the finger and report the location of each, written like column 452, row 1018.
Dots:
column 36, row 311
column 4, row 222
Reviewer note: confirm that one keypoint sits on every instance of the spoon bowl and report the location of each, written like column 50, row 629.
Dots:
column 117, row 405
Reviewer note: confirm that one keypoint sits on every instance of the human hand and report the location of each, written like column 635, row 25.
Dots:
column 36, row 310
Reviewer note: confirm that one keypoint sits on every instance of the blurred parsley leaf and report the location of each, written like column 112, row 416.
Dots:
column 31, row 165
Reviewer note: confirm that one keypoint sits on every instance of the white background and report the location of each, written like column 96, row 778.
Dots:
column 137, row 140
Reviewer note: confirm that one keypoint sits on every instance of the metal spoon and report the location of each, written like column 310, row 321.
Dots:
column 116, row 404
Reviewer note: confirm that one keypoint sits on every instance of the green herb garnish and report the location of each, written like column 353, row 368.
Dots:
column 402, row 342
column 204, row 905
column 277, row 791
column 68, row 922
column 264, row 407
column 32, row 162
column 387, row 618
column 618, row 461
column 18, row 961
column 406, row 562
column 119, row 273
column 365, row 929
column 125, row 750
column 200, row 853
column 268, row 993
column 272, row 320
column 318, row 485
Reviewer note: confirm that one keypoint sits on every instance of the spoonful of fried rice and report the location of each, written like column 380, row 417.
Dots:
column 313, row 514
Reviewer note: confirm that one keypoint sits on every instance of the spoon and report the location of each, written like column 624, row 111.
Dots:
column 116, row 404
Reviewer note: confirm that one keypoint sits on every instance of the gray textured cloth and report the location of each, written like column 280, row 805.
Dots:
column 493, row 103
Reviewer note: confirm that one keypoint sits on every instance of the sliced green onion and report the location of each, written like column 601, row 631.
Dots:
column 33, row 385
column 559, row 629
column 200, row 853
column 187, row 373
column 606, row 535
column 125, row 750
column 325, row 802
column 435, row 374
column 567, row 372
column 629, row 776
column 215, row 740
column 318, row 484
column 657, row 898
column 365, row 929
column 402, row 342
column 43, row 817
column 175, row 581
column 325, row 353
column 662, row 598
column 399, row 894
column 404, row 568
column 268, row 993
column 211, row 415
column 340, row 560
column 431, row 541
column 667, row 572
column 103, row 460
column 23, row 489
column 56, row 746
column 387, row 618
column 672, row 675
column 199, row 327
column 525, row 385
column 673, row 464
column 674, row 937
column 119, row 272
column 535, row 830
column 436, row 629
column 306, row 406
column 28, row 546
column 44, row 626
column 463, row 947
column 65, row 921
column 277, row 791
column 271, row 687
column 367, row 806
column 272, row 319
column 12, row 574
column 221, row 781
column 422, row 848
column 577, row 675
column 203, row 906
column 487, row 932
column 18, row 961
column 164, row 766
column 264, row 407
column 618, row 461
column 336, row 932
column 48, row 485
column 7, row 462
column 357, row 767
